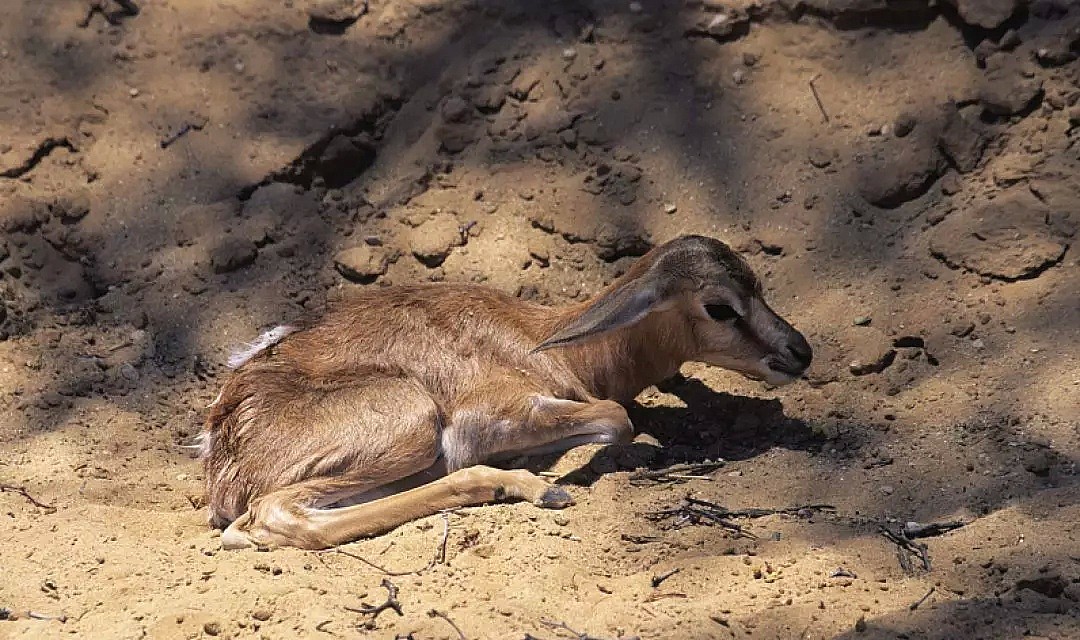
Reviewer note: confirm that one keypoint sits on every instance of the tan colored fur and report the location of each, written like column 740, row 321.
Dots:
column 404, row 390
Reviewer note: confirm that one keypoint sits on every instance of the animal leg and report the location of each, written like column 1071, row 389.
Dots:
column 536, row 424
column 287, row 518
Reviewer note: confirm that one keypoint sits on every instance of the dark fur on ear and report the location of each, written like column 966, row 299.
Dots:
column 685, row 263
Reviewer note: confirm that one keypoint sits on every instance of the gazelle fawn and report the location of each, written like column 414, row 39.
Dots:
column 383, row 409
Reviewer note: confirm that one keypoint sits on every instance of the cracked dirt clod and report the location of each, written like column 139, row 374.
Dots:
column 903, row 171
column 1007, row 238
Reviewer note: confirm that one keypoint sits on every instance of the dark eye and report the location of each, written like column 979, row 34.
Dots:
column 721, row 312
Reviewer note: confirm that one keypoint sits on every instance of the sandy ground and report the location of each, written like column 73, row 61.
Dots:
column 904, row 178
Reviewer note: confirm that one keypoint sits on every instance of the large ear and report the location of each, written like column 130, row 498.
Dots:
column 620, row 307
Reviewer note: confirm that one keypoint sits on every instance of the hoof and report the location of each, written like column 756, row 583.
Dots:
column 555, row 498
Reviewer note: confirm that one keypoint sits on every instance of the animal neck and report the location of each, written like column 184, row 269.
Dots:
column 621, row 364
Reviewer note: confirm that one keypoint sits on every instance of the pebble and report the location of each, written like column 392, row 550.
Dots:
column 861, row 321
column 133, row 92
column 233, row 254
column 670, row 208
column 262, row 615
column 364, row 263
column 904, row 125
column 888, row 490
column 738, row 76
column 636, row 7
column 569, row 53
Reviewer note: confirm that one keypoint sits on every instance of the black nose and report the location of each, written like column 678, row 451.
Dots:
column 800, row 349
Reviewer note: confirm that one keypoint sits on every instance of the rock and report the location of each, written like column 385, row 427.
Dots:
column 233, row 254
column 905, row 124
column 861, row 321
column 432, row 241
column 901, row 172
column 670, row 208
column 1004, row 91
column 335, row 14
column 262, row 615
column 363, row 264
column 72, row 208
column 961, row 140
column 490, row 98
column 820, row 157
column 1006, row 238
column 725, row 24
column 456, row 109
column 455, row 138
column 988, row 14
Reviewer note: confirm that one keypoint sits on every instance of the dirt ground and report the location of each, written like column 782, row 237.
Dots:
column 905, row 176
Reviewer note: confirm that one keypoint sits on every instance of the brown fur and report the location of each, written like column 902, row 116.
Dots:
column 396, row 382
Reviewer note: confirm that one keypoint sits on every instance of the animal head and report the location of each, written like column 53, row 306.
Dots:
column 713, row 297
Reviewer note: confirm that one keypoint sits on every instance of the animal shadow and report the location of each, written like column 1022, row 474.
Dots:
column 711, row 426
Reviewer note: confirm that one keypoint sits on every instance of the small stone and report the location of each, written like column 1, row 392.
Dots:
column 962, row 140
column 670, row 208
column 904, row 125
column 363, row 264
column 262, row 615
column 738, row 76
column 820, row 157
column 636, row 8
column 128, row 372
column 212, row 628
column 750, row 59
column 133, row 92
column 569, row 53
column 888, row 490
column 338, row 13
column 456, row 109
column 432, row 242
column 861, row 321
column 233, row 254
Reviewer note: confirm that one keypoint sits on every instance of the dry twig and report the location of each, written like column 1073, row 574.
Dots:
column 676, row 473
column 657, row 580
column 4, row 488
column 391, row 603
column 907, row 548
column 438, row 558
column 817, row 98
column 915, row 605
column 439, row 614
column 696, row 511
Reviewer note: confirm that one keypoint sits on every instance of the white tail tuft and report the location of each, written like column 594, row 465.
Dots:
column 267, row 339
